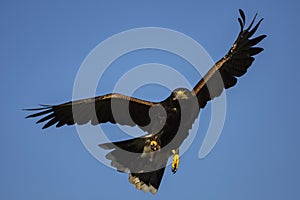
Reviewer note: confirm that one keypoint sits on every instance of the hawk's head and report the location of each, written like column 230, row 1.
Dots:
column 181, row 94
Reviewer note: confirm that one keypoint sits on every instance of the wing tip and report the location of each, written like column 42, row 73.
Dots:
column 242, row 22
column 242, row 14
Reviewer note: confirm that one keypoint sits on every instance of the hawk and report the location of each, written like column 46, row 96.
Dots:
column 166, row 123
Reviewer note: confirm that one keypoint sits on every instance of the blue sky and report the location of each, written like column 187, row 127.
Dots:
column 43, row 44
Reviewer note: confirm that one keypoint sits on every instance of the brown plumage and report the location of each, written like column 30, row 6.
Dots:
column 167, row 122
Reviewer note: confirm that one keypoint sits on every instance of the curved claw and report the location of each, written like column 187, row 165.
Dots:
column 175, row 163
column 154, row 145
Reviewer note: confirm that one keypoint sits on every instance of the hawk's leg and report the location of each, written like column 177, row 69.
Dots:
column 176, row 160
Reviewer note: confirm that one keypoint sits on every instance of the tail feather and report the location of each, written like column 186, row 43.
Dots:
column 148, row 181
column 124, row 154
column 146, row 168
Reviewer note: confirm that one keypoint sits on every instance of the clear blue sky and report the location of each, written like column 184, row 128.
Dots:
column 43, row 44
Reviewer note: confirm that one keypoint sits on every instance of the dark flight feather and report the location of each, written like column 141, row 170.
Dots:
column 125, row 110
column 234, row 64
column 97, row 110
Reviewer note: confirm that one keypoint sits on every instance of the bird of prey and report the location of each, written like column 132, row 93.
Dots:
column 166, row 123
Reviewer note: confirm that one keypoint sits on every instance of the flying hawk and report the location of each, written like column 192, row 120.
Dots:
column 167, row 123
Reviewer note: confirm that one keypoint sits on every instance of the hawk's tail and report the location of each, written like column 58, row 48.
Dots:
column 147, row 181
column 146, row 169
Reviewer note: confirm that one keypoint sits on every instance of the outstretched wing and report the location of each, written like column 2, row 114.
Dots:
column 114, row 108
column 234, row 64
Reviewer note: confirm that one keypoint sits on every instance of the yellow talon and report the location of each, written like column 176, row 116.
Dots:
column 153, row 145
column 175, row 163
